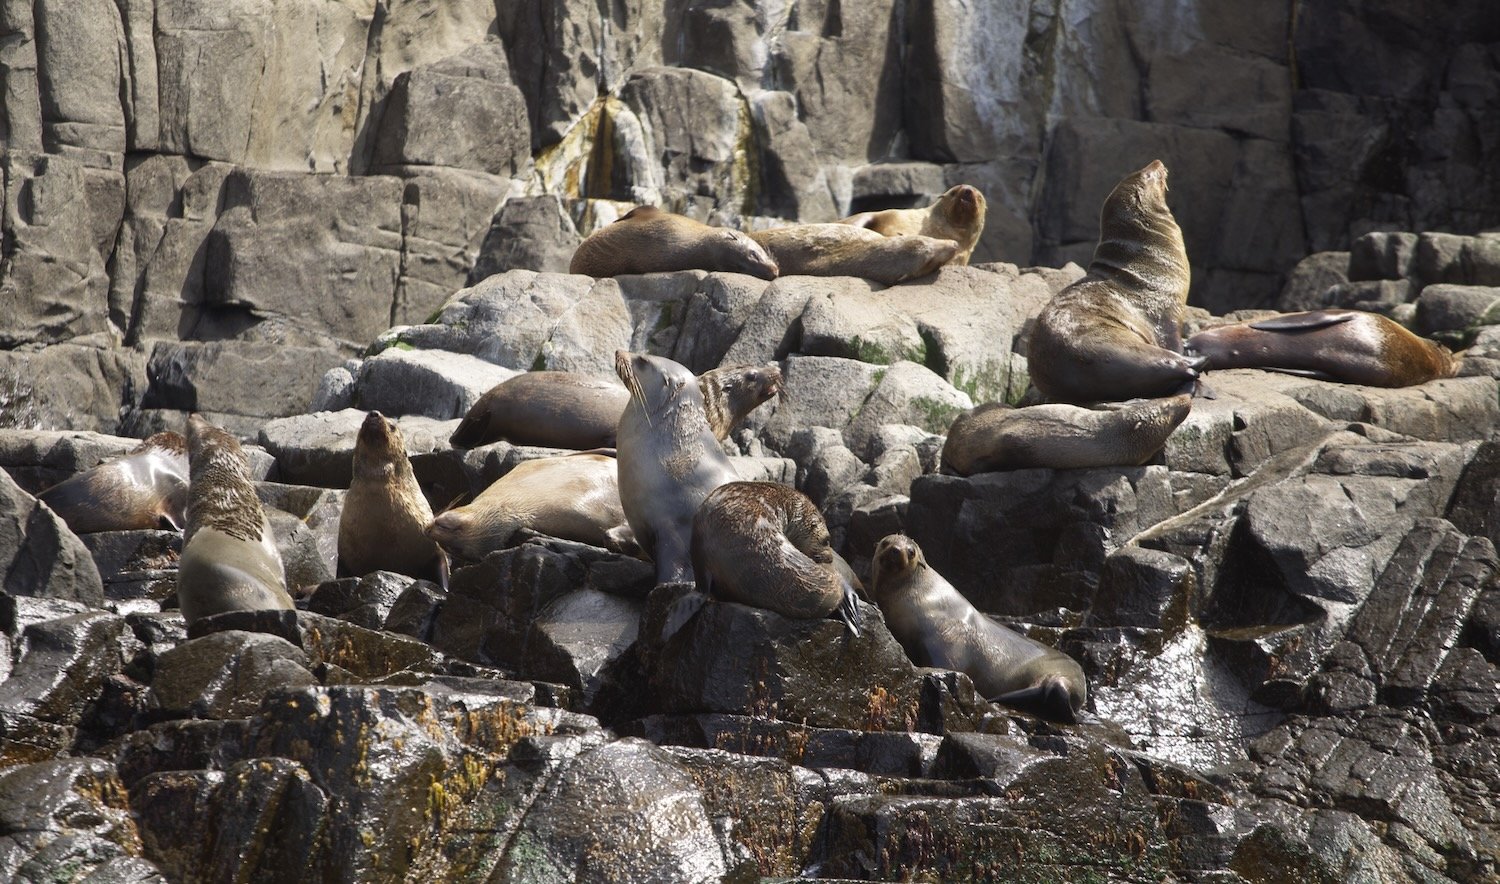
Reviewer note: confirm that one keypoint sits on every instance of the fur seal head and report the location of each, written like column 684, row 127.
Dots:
column 1138, row 237
column 731, row 393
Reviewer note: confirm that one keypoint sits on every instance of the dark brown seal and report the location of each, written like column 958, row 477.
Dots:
column 957, row 215
column 845, row 250
column 648, row 240
column 146, row 488
column 997, row 437
column 1349, row 346
column 384, row 516
column 229, row 557
column 938, row 627
column 766, row 545
column 575, row 497
column 1117, row 333
column 731, row 393
column 669, row 459
column 552, row 409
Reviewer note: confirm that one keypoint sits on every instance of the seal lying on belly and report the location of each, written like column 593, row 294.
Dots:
column 648, row 240
column 997, row 437
column 146, row 488
column 845, row 250
column 957, row 215
column 938, row 627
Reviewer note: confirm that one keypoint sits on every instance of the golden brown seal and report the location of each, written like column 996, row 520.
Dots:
column 381, row 526
column 766, row 545
column 229, row 557
column 648, row 240
column 845, row 250
column 731, row 393
column 957, row 215
column 146, row 488
column 575, row 497
column 938, row 627
column 1349, row 346
column 997, row 437
column 1117, row 333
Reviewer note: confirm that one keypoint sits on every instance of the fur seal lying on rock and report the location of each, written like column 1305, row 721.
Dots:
column 146, row 488
column 1116, row 334
column 938, row 627
column 1349, row 346
column 957, row 215
column 845, row 250
column 381, row 526
column 229, row 557
column 648, row 240
column 996, row 437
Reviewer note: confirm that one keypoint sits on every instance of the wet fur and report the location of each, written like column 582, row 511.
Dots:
column 997, row 437
column 648, row 240
column 143, row 489
column 846, row 250
column 957, row 215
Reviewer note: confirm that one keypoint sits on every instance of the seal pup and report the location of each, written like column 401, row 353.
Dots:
column 648, row 240
column 669, row 459
column 381, row 526
column 1348, row 346
column 844, row 250
column 997, row 437
column 551, row 409
column 145, row 488
column 957, row 215
column 575, row 497
column 938, row 627
column 229, row 557
column 1116, row 334
column 766, row 545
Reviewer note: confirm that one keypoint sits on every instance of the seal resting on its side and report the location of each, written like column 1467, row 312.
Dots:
column 648, row 240
column 997, row 437
column 146, row 488
column 844, row 250
column 957, row 215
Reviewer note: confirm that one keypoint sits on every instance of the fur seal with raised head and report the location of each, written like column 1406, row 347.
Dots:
column 731, row 393
column 938, row 627
column 766, row 545
column 669, row 459
column 146, row 488
column 648, row 240
column 997, row 437
column 381, row 526
column 844, row 250
column 957, row 215
column 1348, row 346
column 575, row 497
column 1116, row 334
column 229, row 557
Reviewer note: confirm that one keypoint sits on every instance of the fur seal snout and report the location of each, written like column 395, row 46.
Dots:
column 996, row 437
column 146, row 488
column 938, row 627
column 648, row 240
column 380, row 528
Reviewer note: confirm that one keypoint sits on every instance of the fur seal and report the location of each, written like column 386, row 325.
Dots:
column 766, row 545
column 938, row 627
column 575, row 497
column 844, row 250
column 1116, row 334
column 997, row 437
column 957, row 215
column 381, row 526
column 1349, row 346
column 669, row 460
column 648, row 240
column 145, row 488
column 229, row 557
column 731, row 393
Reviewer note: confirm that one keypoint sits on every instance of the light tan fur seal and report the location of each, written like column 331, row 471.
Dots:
column 844, row 250
column 575, row 497
column 1116, row 334
column 669, row 460
column 1349, row 346
column 384, row 516
column 146, row 488
column 229, row 557
column 997, row 437
column 938, row 627
column 648, row 240
column 766, row 545
column 957, row 215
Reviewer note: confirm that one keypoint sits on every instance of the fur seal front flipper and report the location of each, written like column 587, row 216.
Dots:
column 1049, row 700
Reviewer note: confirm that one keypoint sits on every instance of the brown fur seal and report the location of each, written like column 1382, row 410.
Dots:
column 1349, row 346
column 146, row 488
column 957, row 215
column 1116, row 334
column 766, row 545
column 997, row 437
column 648, row 240
column 938, row 627
column 381, row 526
column 229, row 556
column 731, row 393
column 669, row 460
column 844, row 250
column 575, row 497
